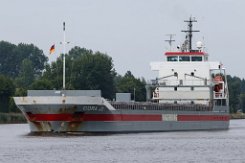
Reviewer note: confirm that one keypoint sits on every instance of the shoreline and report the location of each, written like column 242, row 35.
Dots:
column 12, row 118
column 237, row 116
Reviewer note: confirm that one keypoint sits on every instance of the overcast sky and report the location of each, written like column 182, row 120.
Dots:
column 132, row 32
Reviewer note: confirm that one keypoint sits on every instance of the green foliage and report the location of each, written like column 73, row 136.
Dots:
column 242, row 101
column 234, row 85
column 242, row 86
column 54, row 73
column 12, row 56
column 22, row 63
column 84, row 70
column 7, row 89
column 41, row 84
column 20, row 92
column 12, row 107
column 129, row 84
column 26, row 76
column 12, row 118
column 35, row 55
column 8, row 59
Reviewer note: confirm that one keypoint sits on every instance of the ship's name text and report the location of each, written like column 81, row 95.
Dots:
column 92, row 108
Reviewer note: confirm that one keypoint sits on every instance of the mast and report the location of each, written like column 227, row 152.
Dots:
column 170, row 40
column 189, row 32
column 64, row 52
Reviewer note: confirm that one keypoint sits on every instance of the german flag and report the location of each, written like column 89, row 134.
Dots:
column 52, row 49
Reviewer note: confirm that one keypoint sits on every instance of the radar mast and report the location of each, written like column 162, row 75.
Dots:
column 189, row 33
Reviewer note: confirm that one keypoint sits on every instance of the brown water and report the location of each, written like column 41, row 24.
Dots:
column 16, row 146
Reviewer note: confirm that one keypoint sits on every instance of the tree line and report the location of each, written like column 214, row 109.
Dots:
column 24, row 66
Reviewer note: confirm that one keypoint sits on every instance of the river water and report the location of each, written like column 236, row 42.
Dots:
column 17, row 146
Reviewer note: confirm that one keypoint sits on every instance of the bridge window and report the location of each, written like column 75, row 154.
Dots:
column 172, row 58
column 196, row 58
column 184, row 58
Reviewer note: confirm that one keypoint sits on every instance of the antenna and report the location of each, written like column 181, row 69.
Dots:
column 189, row 32
column 170, row 40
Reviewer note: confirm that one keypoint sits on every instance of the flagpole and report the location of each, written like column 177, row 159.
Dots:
column 64, row 52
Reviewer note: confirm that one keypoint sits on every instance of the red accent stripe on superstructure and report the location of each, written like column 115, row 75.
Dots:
column 78, row 117
column 184, row 53
column 203, row 118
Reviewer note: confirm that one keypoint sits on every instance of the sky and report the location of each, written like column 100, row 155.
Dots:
column 132, row 32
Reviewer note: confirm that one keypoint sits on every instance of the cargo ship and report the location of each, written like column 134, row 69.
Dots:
column 190, row 93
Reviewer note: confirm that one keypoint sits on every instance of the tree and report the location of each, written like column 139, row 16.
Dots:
column 242, row 102
column 7, row 89
column 26, row 75
column 8, row 59
column 93, row 71
column 242, row 86
column 34, row 54
column 129, row 84
column 11, row 57
column 41, row 84
column 53, row 73
column 234, row 85
column 84, row 70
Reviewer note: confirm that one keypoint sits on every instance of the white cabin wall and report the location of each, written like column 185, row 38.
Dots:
column 199, row 95
column 200, row 69
column 185, row 95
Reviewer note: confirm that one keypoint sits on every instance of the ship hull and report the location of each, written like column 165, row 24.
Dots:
column 79, row 116
column 124, row 127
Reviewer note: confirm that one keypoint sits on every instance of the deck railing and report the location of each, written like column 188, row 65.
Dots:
column 157, row 106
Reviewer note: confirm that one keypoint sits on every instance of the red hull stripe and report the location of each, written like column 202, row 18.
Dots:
column 93, row 117
column 120, row 117
column 203, row 118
